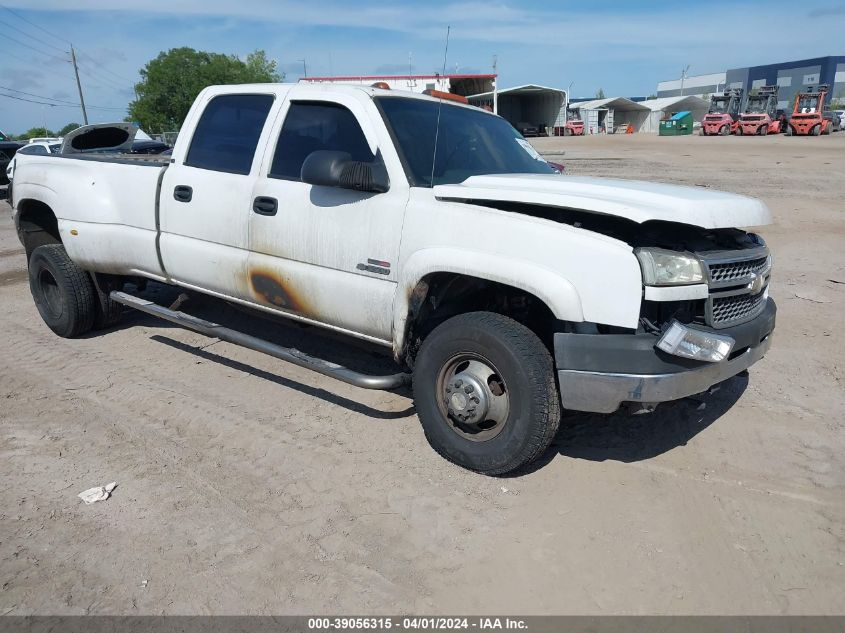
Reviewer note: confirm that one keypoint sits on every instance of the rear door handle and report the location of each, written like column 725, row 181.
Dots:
column 264, row 205
column 183, row 193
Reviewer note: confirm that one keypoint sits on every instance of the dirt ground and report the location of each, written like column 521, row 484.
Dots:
column 246, row 485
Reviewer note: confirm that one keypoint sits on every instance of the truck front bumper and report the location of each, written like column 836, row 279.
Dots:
column 598, row 372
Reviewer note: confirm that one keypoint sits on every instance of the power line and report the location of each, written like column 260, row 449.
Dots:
column 20, row 17
column 57, row 105
column 60, row 101
column 103, row 68
column 100, row 78
column 49, row 55
column 29, row 35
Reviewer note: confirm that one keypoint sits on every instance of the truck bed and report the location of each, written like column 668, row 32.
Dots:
column 155, row 160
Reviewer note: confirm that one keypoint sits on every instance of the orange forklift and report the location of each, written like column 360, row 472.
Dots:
column 809, row 117
column 723, row 116
column 760, row 116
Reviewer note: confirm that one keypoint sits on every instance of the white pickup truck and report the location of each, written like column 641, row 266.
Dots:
column 506, row 291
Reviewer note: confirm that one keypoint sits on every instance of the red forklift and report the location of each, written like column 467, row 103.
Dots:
column 723, row 116
column 809, row 117
column 760, row 116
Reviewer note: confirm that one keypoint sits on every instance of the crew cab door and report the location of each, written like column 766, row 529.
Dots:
column 325, row 253
column 206, row 196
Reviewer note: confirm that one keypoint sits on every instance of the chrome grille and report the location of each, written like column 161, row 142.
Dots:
column 738, row 282
column 731, row 271
column 730, row 310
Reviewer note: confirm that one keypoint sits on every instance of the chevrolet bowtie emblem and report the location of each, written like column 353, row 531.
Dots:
column 756, row 284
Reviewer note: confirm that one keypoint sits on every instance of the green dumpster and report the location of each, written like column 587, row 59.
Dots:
column 678, row 124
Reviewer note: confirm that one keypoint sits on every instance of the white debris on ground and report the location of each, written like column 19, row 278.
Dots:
column 100, row 493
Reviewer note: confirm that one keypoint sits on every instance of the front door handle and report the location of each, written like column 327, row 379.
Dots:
column 264, row 205
column 183, row 193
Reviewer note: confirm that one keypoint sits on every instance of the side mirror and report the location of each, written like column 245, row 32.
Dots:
column 337, row 169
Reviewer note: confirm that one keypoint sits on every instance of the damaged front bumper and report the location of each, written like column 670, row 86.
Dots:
column 598, row 372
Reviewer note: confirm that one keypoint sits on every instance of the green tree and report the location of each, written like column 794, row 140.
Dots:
column 170, row 83
column 35, row 131
column 600, row 94
column 70, row 127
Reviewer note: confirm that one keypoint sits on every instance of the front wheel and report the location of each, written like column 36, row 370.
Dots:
column 764, row 130
column 816, row 130
column 485, row 393
column 725, row 130
column 63, row 292
column 739, row 130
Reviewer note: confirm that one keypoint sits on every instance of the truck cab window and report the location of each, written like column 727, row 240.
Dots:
column 313, row 126
column 227, row 133
column 34, row 149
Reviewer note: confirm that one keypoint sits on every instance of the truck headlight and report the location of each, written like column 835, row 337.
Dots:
column 668, row 268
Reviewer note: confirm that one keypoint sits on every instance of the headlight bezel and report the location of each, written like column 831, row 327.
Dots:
column 655, row 267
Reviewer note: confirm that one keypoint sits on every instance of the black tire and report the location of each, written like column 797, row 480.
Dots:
column 108, row 313
column 789, row 130
column 525, row 370
column 63, row 292
column 725, row 130
column 739, row 130
column 816, row 130
column 764, row 130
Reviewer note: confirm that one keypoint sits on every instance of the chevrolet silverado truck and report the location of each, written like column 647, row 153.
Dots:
column 505, row 292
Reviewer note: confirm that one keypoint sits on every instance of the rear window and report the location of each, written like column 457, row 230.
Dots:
column 34, row 149
column 227, row 134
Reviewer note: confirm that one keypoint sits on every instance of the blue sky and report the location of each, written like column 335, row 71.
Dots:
column 623, row 47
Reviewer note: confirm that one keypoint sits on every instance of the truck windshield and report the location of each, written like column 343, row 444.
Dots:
column 808, row 103
column 718, row 106
column 757, row 106
column 470, row 142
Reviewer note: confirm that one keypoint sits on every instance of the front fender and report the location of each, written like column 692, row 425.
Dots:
column 550, row 287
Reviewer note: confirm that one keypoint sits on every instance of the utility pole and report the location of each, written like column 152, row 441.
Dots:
column 495, row 84
column 304, row 67
column 78, row 84
column 683, row 78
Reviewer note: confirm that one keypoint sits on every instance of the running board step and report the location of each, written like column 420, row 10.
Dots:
column 288, row 354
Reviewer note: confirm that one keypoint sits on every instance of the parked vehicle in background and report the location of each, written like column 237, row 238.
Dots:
column 8, row 149
column 574, row 126
column 149, row 147
column 841, row 115
column 810, row 116
column 44, row 139
column 760, row 115
column 527, row 129
column 723, row 116
column 33, row 148
column 429, row 227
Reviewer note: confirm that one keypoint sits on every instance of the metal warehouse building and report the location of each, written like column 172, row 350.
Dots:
column 610, row 113
column 463, row 85
column 538, row 106
column 791, row 77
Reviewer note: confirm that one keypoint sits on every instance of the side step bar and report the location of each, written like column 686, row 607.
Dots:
column 288, row 354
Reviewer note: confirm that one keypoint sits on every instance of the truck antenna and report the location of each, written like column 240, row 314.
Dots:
column 439, row 106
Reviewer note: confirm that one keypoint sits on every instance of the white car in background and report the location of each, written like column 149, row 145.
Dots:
column 35, row 147
column 841, row 114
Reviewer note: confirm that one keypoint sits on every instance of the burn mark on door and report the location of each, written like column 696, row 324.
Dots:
column 269, row 287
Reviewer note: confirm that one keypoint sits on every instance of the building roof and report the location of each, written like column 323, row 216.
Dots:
column 524, row 89
column 688, row 102
column 395, row 77
column 617, row 103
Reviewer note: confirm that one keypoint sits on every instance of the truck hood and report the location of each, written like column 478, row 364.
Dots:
column 634, row 200
column 100, row 137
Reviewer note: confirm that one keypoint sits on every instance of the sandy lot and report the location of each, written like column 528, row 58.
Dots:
column 246, row 485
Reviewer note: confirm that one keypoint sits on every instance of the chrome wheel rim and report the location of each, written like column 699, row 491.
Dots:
column 473, row 397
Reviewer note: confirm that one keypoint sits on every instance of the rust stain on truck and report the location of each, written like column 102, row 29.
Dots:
column 269, row 287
